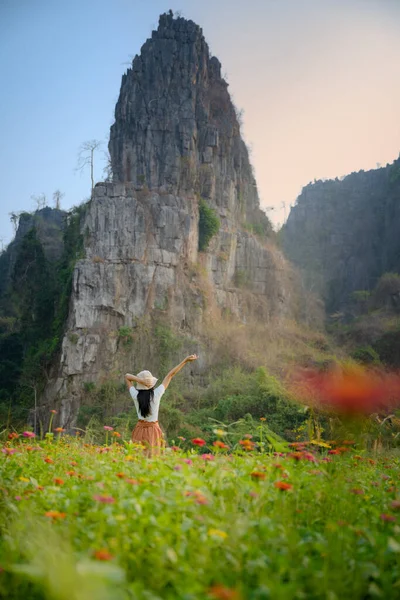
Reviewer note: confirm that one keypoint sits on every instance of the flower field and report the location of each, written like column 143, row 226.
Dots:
column 80, row 521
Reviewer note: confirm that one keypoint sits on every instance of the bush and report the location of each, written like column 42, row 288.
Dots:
column 366, row 355
column 209, row 224
column 387, row 292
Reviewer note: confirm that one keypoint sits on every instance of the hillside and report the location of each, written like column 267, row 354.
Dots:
column 343, row 235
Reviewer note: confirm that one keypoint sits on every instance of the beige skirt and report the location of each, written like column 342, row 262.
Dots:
column 150, row 435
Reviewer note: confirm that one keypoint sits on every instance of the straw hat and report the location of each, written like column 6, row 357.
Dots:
column 148, row 378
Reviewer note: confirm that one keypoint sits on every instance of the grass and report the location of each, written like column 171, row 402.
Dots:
column 192, row 526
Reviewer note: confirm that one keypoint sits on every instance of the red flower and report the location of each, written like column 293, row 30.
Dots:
column 220, row 592
column 58, row 481
column 48, row 460
column 121, row 475
column 13, row 436
column 357, row 491
column 104, row 499
column 395, row 505
column 175, row 448
column 102, row 554
column 198, row 442
column 282, row 485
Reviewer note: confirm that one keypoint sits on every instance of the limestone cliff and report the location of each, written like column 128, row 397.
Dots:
column 343, row 235
column 175, row 140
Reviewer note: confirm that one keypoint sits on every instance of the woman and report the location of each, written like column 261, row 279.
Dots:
column 147, row 403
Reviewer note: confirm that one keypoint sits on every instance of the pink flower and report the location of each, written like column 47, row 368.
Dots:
column 18, row 498
column 386, row 517
column 8, row 450
column 108, row 428
column 104, row 499
column 177, row 467
column 28, row 434
column 207, row 456
column 188, row 461
column 175, row 448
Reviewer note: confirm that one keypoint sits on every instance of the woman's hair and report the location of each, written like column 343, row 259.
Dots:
column 145, row 398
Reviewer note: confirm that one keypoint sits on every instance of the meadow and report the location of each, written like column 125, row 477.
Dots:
column 222, row 521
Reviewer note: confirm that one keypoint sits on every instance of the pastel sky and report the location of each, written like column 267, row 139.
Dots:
column 318, row 80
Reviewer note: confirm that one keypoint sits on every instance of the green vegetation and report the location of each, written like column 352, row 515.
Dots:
column 79, row 521
column 33, row 311
column 209, row 224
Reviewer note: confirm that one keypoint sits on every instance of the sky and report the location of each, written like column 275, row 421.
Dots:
column 318, row 81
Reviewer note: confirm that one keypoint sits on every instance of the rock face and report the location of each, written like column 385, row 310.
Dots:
column 176, row 128
column 175, row 140
column 49, row 224
column 343, row 235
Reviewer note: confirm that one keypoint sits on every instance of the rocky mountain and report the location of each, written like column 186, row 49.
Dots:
column 344, row 234
column 180, row 170
column 49, row 224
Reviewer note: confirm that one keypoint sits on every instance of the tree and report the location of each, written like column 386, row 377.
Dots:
column 86, row 157
column 57, row 197
column 14, row 218
column 107, row 171
column 40, row 201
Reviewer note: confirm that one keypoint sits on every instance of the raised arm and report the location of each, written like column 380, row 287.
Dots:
column 130, row 379
column 175, row 370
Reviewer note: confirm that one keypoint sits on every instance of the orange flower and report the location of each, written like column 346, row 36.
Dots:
column 220, row 592
column 120, row 475
column 199, row 498
column 48, row 460
column 73, row 463
column 102, row 554
column 58, row 481
column 132, row 481
column 116, row 434
column 13, row 436
column 71, row 473
column 258, row 475
column 247, row 445
column 54, row 412
column 219, row 444
column 263, row 419
column 55, row 514
column 282, row 485
column 59, row 430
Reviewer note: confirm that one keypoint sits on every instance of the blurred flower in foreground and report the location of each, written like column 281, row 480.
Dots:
column 28, row 434
column 353, row 393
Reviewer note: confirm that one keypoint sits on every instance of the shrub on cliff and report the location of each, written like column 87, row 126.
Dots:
column 208, row 224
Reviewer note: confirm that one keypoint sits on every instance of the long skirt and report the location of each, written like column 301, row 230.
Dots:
column 150, row 435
